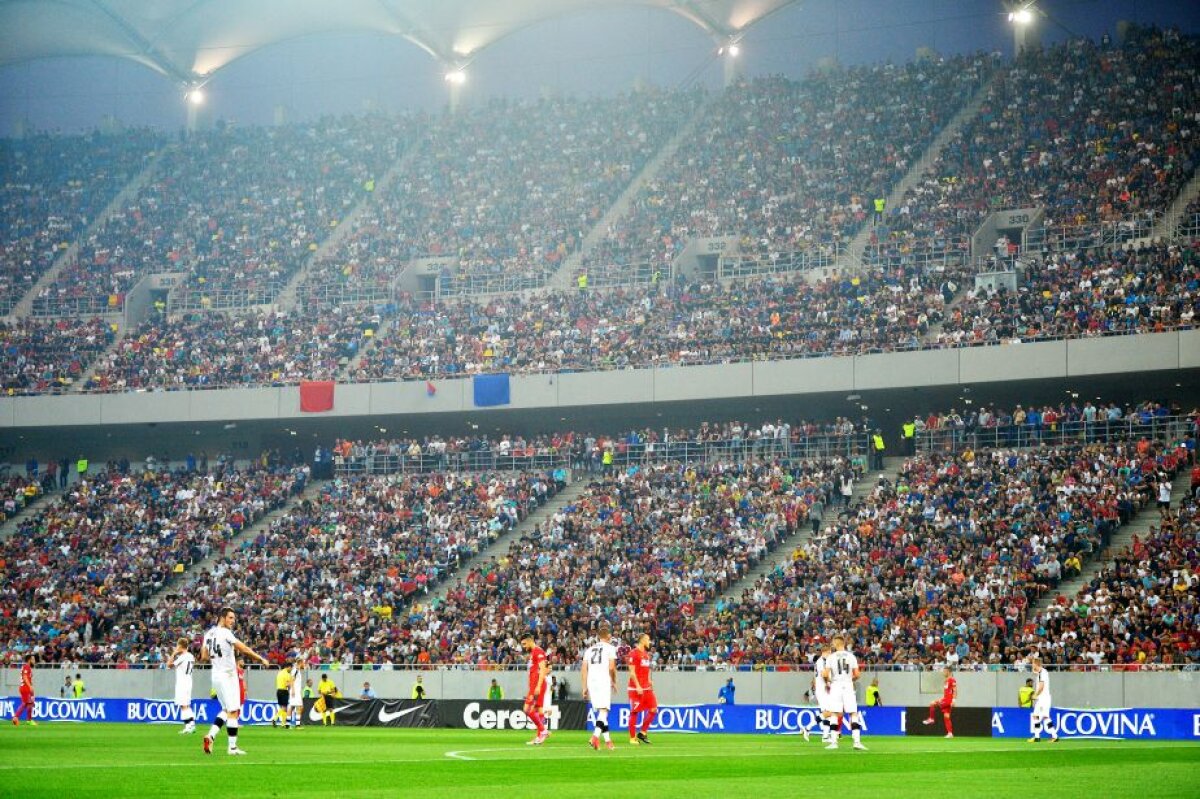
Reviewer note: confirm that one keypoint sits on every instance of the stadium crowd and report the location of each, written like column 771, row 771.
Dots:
column 789, row 165
column 111, row 540
column 235, row 209
column 1084, row 293
column 53, row 187
column 1140, row 611
column 1100, row 136
column 942, row 565
column 49, row 356
column 705, row 322
column 331, row 575
column 204, row 350
column 504, row 191
column 642, row 547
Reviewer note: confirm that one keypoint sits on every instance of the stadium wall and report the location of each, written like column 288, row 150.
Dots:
column 1174, row 689
column 927, row 368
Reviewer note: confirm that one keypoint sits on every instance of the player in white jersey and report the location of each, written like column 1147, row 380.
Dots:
column 220, row 648
column 599, row 682
column 841, row 670
column 182, row 661
column 1041, row 703
column 295, row 704
column 820, row 695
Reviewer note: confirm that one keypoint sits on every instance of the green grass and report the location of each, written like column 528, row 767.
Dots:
column 114, row 760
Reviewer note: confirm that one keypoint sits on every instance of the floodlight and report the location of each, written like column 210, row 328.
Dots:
column 734, row 50
column 456, row 76
column 1022, row 16
column 195, row 96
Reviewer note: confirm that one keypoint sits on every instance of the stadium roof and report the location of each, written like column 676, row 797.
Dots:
column 189, row 40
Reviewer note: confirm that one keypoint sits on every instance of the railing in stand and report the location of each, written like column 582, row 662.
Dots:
column 957, row 439
column 383, row 461
column 744, row 265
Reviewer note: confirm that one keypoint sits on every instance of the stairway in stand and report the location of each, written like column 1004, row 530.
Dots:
column 130, row 190
column 1139, row 525
column 504, row 543
column 782, row 554
column 852, row 257
column 565, row 276
column 311, row 490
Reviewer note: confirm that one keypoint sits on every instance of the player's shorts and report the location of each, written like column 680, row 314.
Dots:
column 600, row 695
column 945, row 704
column 822, row 696
column 281, row 697
column 295, row 700
column 26, row 694
column 642, row 701
column 536, row 700
column 183, row 693
column 229, row 691
column 842, row 699
column 1041, row 706
column 330, row 701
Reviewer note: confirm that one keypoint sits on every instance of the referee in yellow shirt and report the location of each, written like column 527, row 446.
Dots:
column 283, row 686
column 328, row 700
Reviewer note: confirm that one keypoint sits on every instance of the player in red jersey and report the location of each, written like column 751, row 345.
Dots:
column 241, row 673
column 27, row 703
column 641, row 691
column 946, row 703
column 539, row 671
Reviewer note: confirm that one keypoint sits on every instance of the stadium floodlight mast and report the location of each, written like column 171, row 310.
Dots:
column 456, row 77
column 194, row 97
column 1022, row 17
column 729, row 51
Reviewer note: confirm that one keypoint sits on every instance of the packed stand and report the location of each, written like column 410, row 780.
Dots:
column 1083, row 293
column 942, row 565
column 1142, row 611
column 506, row 191
column 236, row 209
column 708, row 322
column 47, row 357
column 789, row 165
column 1103, row 137
column 331, row 576
column 51, row 189
column 642, row 546
column 71, row 570
column 213, row 350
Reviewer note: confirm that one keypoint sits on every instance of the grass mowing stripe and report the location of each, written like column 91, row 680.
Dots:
column 112, row 760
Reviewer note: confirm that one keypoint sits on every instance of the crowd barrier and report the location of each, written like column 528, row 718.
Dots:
column 1108, row 724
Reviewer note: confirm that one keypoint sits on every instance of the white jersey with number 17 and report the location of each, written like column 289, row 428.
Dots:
column 220, row 644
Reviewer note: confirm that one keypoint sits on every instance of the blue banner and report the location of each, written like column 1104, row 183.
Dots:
column 771, row 719
column 490, row 390
column 1110, row 724
column 138, row 711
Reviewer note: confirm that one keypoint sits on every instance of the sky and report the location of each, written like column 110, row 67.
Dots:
column 595, row 52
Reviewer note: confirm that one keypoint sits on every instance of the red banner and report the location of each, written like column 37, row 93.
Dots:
column 316, row 396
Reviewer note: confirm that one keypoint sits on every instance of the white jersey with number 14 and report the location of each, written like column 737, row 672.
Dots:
column 220, row 644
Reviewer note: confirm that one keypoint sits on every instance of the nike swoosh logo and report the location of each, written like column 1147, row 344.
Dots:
column 315, row 715
column 385, row 717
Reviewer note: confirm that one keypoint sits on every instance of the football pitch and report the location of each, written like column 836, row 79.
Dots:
column 113, row 760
